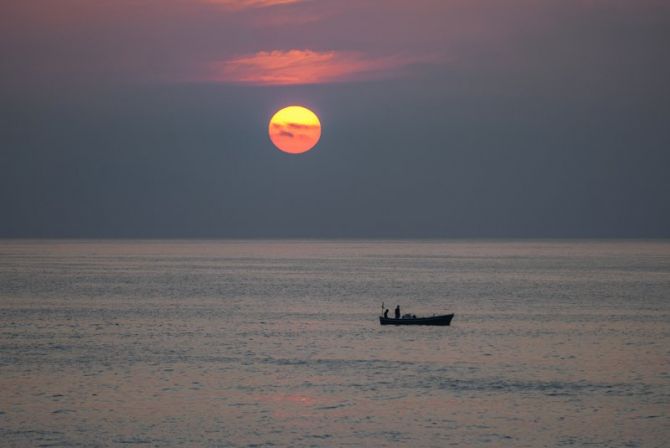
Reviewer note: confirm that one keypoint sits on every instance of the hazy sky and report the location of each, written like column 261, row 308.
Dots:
column 441, row 118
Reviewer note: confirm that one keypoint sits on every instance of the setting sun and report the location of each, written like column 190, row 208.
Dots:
column 294, row 129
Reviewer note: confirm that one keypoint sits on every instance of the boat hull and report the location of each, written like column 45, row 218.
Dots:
column 442, row 320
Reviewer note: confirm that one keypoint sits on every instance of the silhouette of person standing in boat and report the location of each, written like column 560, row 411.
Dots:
column 386, row 314
column 397, row 312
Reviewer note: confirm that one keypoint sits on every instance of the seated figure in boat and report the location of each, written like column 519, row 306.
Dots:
column 386, row 313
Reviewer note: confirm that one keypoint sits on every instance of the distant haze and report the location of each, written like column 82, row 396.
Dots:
column 450, row 118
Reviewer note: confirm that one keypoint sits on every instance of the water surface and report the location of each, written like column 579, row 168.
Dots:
column 276, row 343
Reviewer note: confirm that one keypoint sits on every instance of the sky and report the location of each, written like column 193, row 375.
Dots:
column 440, row 118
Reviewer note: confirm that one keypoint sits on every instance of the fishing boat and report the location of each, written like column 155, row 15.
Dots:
column 442, row 320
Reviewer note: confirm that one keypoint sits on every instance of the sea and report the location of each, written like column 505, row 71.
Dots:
column 277, row 343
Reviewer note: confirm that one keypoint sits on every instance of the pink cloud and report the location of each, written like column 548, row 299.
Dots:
column 304, row 67
column 246, row 4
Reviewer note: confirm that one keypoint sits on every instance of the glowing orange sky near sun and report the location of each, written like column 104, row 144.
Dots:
column 294, row 129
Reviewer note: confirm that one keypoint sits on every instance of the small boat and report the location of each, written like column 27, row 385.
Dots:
column 441, row 320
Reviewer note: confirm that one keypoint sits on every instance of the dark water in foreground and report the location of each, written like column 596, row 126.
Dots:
column 276, row 343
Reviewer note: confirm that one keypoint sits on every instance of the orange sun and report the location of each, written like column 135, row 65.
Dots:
column 294, row 129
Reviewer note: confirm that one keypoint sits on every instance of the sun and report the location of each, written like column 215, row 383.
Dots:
column 294, row 129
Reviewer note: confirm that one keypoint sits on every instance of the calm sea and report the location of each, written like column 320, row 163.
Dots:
column 277, row 343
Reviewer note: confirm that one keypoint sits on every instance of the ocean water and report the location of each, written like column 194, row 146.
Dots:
column 277, row 343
